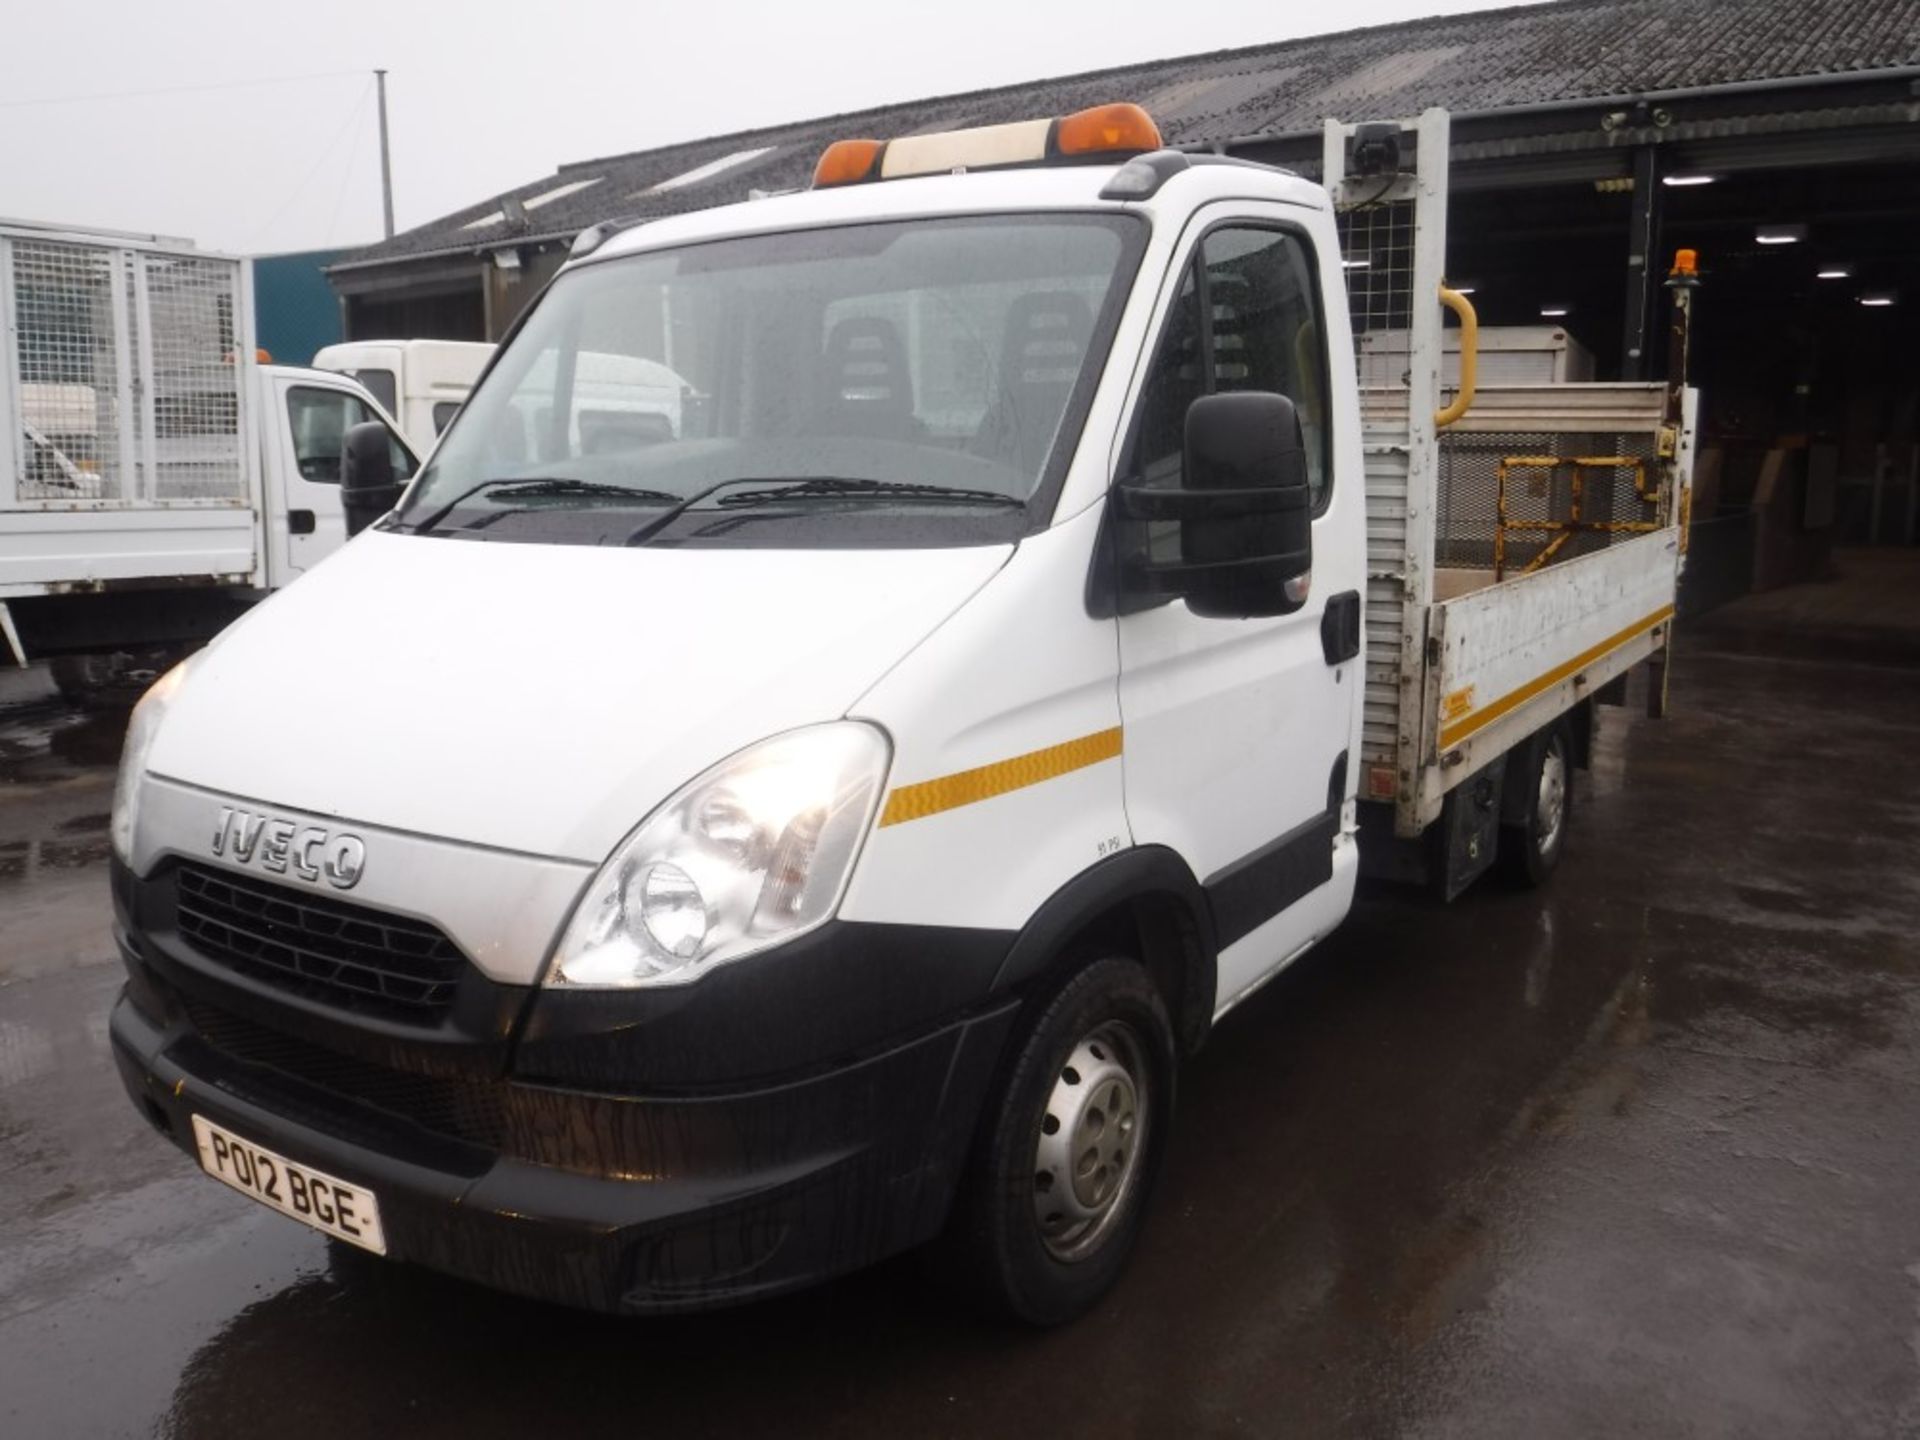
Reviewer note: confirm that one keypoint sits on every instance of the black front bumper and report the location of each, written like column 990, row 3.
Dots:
column 610, row 1195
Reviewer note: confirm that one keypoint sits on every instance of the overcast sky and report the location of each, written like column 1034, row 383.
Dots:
column 265, row 138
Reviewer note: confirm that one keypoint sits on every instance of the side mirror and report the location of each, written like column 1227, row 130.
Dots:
column 1244, row 509
column 368, row 486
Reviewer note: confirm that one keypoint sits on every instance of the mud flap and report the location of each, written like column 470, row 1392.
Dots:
column 1468, row 835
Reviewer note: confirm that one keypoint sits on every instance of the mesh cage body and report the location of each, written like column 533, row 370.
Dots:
column 1376, row 243
column 196, row 399
column 1468, row 511
column 68, row 380
column 126, row 374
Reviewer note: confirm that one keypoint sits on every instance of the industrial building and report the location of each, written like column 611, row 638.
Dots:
column 1780, row 139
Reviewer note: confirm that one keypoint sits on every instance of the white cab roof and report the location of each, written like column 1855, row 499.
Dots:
column 1036, row 188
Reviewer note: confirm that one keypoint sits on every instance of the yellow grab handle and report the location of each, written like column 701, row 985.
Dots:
column 1469, row 357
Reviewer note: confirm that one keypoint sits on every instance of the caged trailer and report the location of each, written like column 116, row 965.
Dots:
column 157, row 477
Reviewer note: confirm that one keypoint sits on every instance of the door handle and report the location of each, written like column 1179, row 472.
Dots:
column 1340, row 627
column 300, row 522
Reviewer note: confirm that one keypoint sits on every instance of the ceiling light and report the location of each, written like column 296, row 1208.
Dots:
column 1780, row 234
column 1834, row 272
column 1878, row 299
column 1556, row 312
column 1681, row 180
column 1356, row 264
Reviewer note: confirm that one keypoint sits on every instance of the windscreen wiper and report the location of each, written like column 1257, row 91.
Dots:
column 831, row 487
column 779, row 488
column 545, row 485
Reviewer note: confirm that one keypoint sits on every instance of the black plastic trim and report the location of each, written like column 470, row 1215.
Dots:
column 1251, row 891
column 1175, row 577
column 842, row 990
column 1141, row 502
column 1340, row 627
column 1160, row 165
column 655, row 1204
column 470, row 1039
column 1130, row 875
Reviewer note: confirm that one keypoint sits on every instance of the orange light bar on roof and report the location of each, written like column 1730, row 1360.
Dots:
column 1105, row 131
column 848, row 162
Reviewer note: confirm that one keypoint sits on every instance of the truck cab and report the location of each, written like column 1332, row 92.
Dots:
column 422, row 383
column 684, row 851
column 307, row 413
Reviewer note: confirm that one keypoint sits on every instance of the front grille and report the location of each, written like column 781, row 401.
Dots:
column 327, row 950
column 458, row 1108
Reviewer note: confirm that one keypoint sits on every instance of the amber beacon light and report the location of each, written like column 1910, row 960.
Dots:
column 1102, row 132
column 847, row 162
column 1108, row 130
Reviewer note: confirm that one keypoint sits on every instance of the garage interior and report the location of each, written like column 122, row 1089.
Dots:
column 1798, row 202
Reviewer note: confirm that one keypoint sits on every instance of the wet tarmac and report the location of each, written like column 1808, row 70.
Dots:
column 1631, row 1156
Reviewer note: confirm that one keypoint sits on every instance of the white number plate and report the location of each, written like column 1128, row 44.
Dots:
column 332, row 1206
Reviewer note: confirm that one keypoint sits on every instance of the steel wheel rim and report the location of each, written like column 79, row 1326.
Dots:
column 1550, row 804
column 1091, row 1136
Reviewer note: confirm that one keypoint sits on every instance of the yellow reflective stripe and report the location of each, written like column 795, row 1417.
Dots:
column 1451, row 735
column 930, row 797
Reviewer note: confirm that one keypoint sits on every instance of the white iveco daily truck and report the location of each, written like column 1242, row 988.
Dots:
column 664, row 862
column 156, row 478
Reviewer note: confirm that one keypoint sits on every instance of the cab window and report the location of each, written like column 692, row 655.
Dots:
column 946, row 354
column 381, row 385
column 319, row 420
column 1245, row 319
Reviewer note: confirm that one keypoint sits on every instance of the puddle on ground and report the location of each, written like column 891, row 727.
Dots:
column 21, row 860
column 46, row 739
column 94, row 741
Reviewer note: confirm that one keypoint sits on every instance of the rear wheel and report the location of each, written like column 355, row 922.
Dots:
column 112, row 680
column 1059, row 1183
column 1530, row 850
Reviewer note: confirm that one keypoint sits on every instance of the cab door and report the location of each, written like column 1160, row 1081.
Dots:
column 1238, row 731
column 311, row 523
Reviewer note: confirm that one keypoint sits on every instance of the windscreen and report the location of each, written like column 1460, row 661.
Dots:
column 926, row 376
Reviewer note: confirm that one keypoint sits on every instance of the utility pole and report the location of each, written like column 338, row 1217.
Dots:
column 386, row 161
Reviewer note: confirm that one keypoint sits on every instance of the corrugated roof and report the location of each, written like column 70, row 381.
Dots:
column 1491, row 60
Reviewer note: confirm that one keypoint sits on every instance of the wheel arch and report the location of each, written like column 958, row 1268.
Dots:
column 1145, row 899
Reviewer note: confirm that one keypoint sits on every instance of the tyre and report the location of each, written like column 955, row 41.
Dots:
column 1070, row 1148
column 1541, row 784
column 114, row 680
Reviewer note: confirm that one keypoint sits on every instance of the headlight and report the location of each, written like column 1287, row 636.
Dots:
column 754, row 852
column 143, row 727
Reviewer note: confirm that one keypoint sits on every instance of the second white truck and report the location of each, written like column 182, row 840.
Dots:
column 676, row 854
column 421, row 383
column 156, row 478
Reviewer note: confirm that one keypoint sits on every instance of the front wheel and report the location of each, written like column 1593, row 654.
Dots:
column 1531, row 849
column 1059, row 1184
